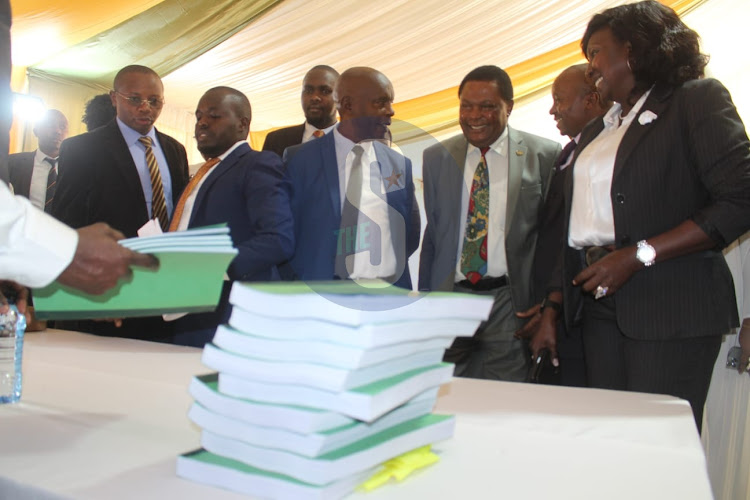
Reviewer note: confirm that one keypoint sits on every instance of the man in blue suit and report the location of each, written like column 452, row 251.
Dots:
column 244, row 188
column 352, row 198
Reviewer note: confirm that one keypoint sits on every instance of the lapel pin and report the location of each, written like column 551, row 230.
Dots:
column 519, row 152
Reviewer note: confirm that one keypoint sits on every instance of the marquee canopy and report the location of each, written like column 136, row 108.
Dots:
column 66, row 52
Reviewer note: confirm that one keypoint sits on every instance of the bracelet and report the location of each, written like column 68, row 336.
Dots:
column 550, row 303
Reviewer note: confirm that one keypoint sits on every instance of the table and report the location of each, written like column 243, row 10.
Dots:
column 105, row 418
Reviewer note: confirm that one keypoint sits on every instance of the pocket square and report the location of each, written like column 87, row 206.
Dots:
column 647, row 117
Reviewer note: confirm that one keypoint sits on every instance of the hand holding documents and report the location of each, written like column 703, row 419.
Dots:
column 189, row 279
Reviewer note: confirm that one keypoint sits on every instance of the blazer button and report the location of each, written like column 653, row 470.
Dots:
column 624, row 240
column 620, row 198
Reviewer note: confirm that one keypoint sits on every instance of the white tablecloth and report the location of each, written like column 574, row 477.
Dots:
column 105, row 418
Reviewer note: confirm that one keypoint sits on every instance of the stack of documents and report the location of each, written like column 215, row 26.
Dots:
column 192, row 266
column 318, row 384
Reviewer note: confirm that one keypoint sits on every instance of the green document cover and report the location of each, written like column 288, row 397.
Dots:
column 189, row 279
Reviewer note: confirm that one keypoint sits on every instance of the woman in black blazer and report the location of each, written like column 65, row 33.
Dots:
column 659, row 186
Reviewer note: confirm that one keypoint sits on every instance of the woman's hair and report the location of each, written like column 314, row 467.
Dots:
column 99, row 111
column 663, row 48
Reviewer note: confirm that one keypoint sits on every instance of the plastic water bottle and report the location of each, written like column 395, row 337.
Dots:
column 12, row 327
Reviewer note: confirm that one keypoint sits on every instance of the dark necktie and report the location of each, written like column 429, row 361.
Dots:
column 474, row 253
column 158, row 203
column 51, row 184
column 564, row 155
column 347, row 236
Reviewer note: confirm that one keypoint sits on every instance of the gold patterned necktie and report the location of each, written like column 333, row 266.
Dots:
column 189, row 189
column 158, row 202
column 318, row 134
column 474, row 253
column 51, row 184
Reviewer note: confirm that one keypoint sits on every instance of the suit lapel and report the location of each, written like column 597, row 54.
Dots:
column 176, row 176
column 123, row 162
column 453, row 168
column 331, row 168
column 656, row 102
column 213, row 176
column 517, row 157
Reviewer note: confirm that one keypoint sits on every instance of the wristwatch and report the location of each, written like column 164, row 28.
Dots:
column 645, row 253
column 550, row 303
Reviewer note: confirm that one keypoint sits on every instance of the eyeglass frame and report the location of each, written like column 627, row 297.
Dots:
column 137, row 102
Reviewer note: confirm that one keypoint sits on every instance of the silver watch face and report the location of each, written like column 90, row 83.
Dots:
column 645, row 253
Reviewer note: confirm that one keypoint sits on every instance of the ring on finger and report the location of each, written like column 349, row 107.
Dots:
column 601, row 291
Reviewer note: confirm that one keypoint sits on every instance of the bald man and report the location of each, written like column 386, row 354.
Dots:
column 319, row 109
column 34, row 174
column 352, row 196
column 575, row 102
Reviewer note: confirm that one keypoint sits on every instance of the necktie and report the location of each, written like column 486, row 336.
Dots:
column 318, row 133
column 158, row 203
column 51, row 184
column 189, row 189
column 474, row 253
column 347, row 236
column 564, row 155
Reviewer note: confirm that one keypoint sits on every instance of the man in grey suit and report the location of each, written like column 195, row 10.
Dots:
column 483, row 191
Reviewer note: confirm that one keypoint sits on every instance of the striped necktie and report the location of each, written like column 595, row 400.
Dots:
column 189, row 189
column 51, row 184
column 158, row 203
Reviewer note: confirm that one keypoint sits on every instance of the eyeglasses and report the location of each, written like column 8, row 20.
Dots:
column 137, row 102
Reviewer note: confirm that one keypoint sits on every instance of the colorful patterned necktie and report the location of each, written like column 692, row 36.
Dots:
column 474, row 253
column 318, row 133
column 51, row 184
column 189, row 189
column 158, row 203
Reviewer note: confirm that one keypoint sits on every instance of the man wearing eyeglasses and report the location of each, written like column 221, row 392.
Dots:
column 125, row 174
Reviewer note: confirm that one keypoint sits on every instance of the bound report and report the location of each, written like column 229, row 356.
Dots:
column 192, row 265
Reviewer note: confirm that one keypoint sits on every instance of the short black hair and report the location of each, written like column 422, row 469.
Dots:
column 99, row 111
column 323, row 67
column 663, row 48
column 241, row 103
column 133, row 68
column 490, row 74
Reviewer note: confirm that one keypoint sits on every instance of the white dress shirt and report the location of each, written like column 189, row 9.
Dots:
column 371, row 205
column 38, row 185
column 34, row 247
column 307, row 135
column 497, row 167
column 592, row 221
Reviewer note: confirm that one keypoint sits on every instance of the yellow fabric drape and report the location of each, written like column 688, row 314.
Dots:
column 438, row 112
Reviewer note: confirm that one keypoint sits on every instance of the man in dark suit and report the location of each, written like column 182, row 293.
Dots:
column 319, row 109
column 485, row 247
column 124, row 173
column 575, row 102
column 243, row 188
column 34, row 174
column 352, row 197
